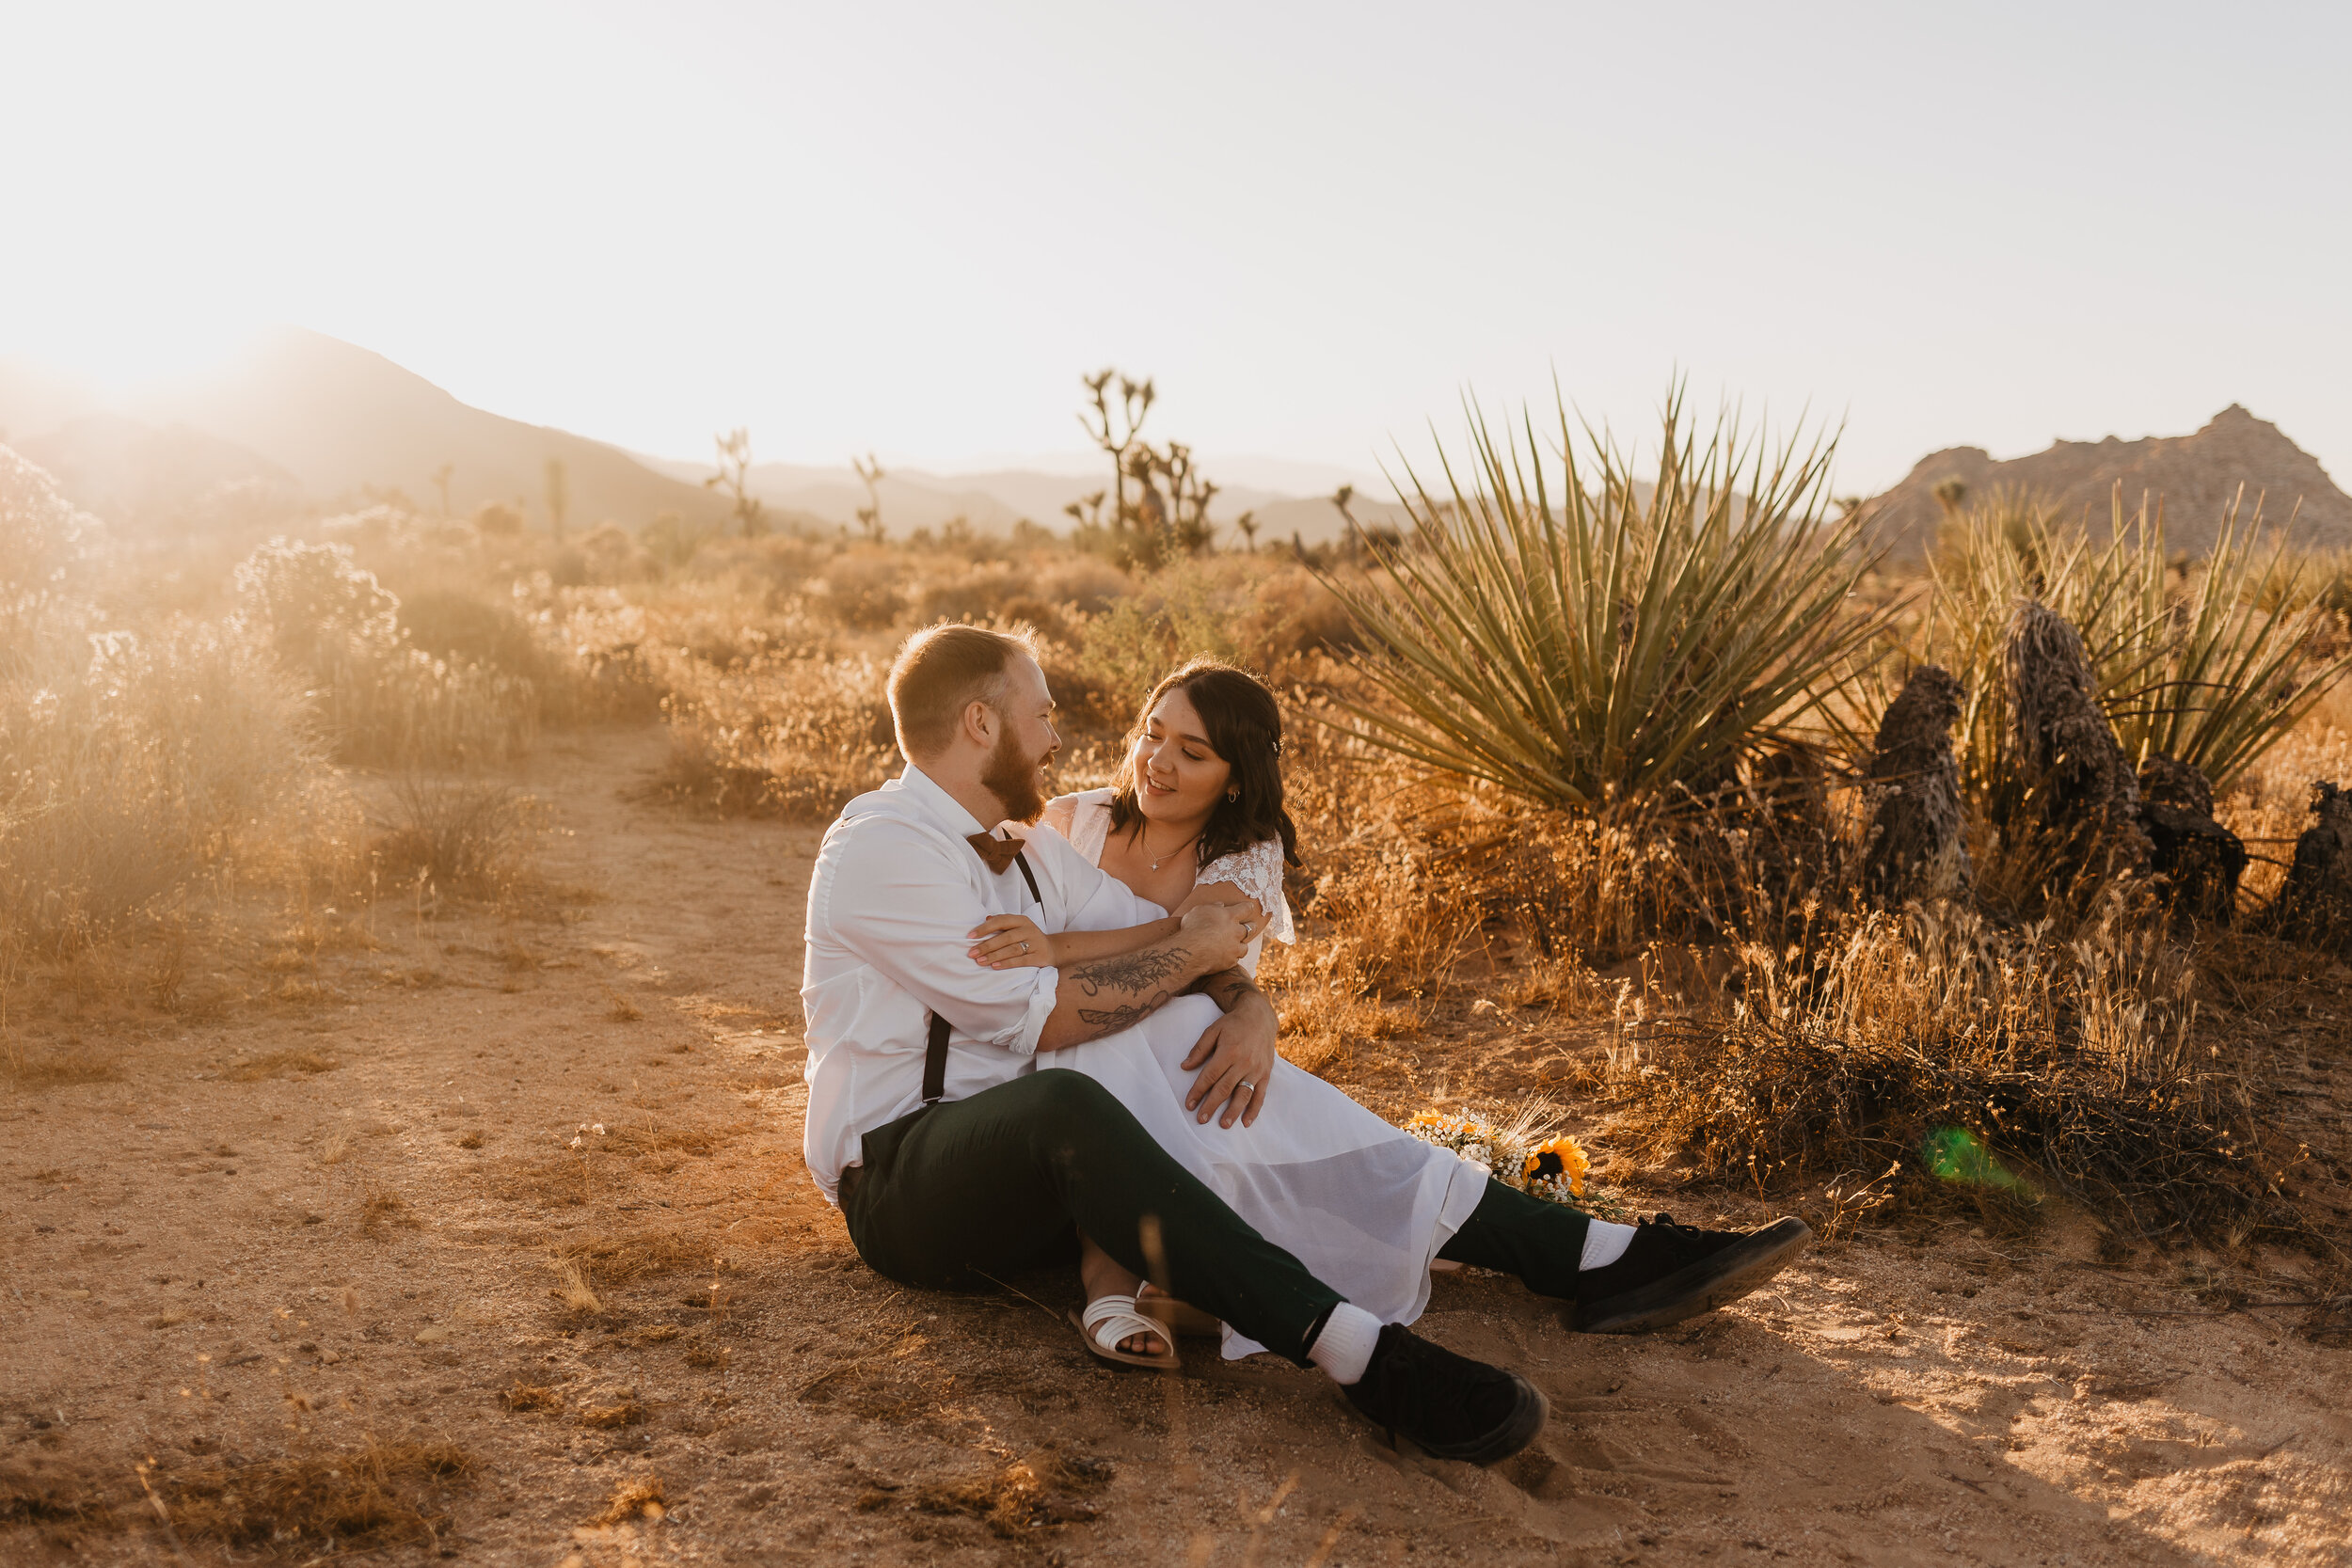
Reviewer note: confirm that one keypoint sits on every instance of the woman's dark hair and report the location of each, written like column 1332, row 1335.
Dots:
column 1245, row 727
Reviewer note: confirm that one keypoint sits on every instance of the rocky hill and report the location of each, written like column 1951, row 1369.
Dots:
column 2195, row 476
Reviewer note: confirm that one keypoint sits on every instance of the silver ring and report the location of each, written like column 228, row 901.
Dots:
column 1247, row 1085
column 1025, row 947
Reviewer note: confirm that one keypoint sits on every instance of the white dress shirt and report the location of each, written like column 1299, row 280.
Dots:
column 895, row 896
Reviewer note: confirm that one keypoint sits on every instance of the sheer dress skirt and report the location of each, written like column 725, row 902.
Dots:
column 1363, row 1206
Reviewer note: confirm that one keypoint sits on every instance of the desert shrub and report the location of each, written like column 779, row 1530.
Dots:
column 598, row 643
column 465, row 836
column 795, row 738
column 1293, row 614
column 1572, row 636
column 862, row 590
column 1960, row 1050
column 462, row 628
column 43, row 537
column 2209, row 663
column 612, row 557
column 1180, row 612
column 382, row 699
column 127, row 776
column 996, row 592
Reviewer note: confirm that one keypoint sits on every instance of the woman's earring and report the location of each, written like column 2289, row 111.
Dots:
column 1232, row 795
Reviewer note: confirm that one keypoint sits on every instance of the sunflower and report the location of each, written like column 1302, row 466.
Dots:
column 1561, row 1160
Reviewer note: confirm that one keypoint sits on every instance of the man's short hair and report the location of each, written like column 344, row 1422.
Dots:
column 939, row 671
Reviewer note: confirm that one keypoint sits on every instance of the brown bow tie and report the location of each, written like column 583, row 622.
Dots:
column 997, row 852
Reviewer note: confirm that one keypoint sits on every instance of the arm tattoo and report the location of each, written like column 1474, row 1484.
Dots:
column 1114, row 1019
column 1226, row 988
column 1130, row 971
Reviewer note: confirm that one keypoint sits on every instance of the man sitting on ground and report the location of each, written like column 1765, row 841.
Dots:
column 955, row 1157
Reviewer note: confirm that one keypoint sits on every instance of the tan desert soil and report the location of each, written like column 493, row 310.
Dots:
column 217, row 1255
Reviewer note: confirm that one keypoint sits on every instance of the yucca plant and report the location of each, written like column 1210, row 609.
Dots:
column 2208, row 663
column 2231, row 652
column 1568, row 634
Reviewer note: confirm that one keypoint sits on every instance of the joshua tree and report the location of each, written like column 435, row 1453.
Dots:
column 734, row 477
column 1189, row 496
column 559, row 497
column 870, row 469
column 1340, row 497
column 1248, row 523
column 440, row 483
column 1116, row 435
column 1170, row 505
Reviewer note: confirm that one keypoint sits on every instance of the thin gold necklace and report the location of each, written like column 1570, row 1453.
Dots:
column 1143, row 830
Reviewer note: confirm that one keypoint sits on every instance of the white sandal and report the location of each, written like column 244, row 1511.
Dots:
column 1118, row 1315
column 1174, row 1316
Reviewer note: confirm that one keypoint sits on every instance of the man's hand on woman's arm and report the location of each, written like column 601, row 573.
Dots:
column 1098, row 997
column 1237, row 1051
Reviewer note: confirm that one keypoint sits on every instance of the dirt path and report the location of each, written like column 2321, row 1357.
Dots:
column 317, row 1221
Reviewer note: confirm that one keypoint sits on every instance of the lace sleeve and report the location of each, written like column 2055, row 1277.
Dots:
column 1258, row 872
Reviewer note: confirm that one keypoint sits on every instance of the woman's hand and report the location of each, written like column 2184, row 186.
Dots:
column 1244, row 907
column 1235, row 1059
column 1011, row 942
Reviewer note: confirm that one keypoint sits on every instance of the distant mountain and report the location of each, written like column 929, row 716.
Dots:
column 993, row 502
column 129, row 471
column 345, row 423
column 304, row 422
column 35, row 399
column 2196, row 475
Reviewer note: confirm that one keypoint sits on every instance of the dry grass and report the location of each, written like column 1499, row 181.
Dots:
column 572, row 1286
column 644, row 1497
column 1990, row 1064
column 280, row 1064
column 154, row 768
column 794, row 736
column 640, row 1255
column 380, row 1209
column 606, row 1417
column 63, row 1499
column 530, row 1398
column 1030, row 1494
column 56, row 1068
column 378, row 1494
column 460, row 835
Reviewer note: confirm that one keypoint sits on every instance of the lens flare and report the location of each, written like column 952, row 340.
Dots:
column 1957, row 1155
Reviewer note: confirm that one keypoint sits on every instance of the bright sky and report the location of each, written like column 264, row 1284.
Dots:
column 911, row 227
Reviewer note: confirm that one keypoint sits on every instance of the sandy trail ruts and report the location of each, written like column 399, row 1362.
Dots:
column 366, row 1251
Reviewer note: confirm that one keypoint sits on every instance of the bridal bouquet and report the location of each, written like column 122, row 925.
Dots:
column 1525, row 1152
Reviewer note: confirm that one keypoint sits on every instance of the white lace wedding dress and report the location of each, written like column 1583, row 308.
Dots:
column 1364, row 1206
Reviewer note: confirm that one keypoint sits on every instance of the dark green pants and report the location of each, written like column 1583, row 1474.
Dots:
column 995, row 1183
column 1509, row 1232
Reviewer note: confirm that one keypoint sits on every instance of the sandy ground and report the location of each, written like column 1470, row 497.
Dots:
column 335, row 1213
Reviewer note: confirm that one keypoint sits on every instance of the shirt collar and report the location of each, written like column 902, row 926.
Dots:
column 936, row 804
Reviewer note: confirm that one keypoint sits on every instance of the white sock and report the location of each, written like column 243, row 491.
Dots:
column 1604, row 1243
column 1344, row 1347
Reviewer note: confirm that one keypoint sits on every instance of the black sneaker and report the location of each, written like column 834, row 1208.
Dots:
column 1450, row 1406
column 1671, row 1272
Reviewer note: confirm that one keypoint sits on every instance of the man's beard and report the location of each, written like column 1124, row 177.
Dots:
column 1015, row 778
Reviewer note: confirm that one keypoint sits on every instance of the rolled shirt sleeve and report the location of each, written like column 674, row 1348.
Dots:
column 900, row 903
column 892, row 904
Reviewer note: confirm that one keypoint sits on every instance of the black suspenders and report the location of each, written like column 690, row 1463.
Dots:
column 935, row 1053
